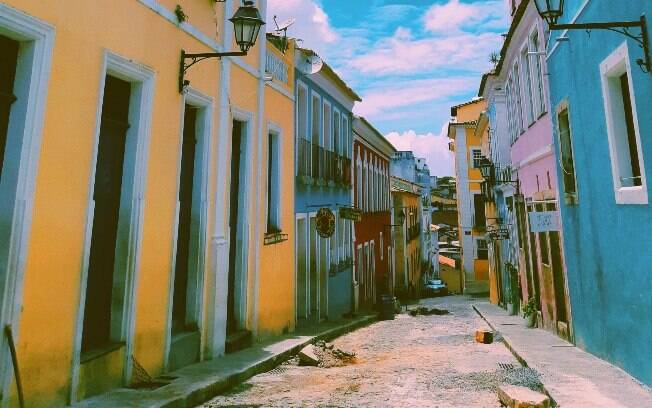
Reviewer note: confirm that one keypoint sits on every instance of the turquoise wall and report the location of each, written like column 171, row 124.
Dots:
column 608, row 246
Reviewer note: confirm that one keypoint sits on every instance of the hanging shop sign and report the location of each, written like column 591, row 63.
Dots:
column 351, row 213
column 544, row 221
column 325, row 222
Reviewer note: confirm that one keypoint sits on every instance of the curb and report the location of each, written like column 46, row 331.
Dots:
column 505, row 340
column 206, row 393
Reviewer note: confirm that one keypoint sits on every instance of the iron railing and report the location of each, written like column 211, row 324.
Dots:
column 320, row 164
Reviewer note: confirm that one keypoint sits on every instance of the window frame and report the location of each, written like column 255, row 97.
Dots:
column 614, row 66
column 572, row 197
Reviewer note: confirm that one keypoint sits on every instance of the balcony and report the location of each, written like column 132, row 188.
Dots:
column 317, row 165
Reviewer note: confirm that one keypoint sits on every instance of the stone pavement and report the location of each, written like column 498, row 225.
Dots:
column 426, row 361
column 200, row 382
column 571, row 376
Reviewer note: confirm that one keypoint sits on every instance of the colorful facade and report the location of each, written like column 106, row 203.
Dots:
column 324, row 147
column 530, row 262
column 136, row 183
column 373, row 254
column 600, row 104
column 406, row 225
column 471, row 216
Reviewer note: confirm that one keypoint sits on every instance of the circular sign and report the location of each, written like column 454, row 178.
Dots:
column 325, row 222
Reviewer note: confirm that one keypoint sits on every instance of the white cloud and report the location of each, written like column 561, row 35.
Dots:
column 385, row 97
column 312, row 24
column 456, row 16
column 402, row 54
column 433, row 147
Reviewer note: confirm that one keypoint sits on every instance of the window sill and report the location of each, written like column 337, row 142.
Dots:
column 631, row 195
column 98, row 352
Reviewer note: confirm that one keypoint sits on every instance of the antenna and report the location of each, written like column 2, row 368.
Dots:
column 281, row 33
column 284, row 25
column 310, row 64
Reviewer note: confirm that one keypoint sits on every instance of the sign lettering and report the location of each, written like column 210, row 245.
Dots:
column 544, row 221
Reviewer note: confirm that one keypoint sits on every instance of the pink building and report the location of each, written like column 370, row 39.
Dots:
column 520, row 145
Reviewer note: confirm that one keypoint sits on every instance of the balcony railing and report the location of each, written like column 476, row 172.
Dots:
column 319, row 164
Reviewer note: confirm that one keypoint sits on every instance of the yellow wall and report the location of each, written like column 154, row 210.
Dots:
column 52, row 277
column 276, row 299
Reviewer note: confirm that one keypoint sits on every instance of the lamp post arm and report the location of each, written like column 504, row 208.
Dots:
column 620, row 27
column 195, row 58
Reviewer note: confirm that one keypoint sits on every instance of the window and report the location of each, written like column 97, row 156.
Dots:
column 567, row 162
column 328, row 137
column 337, row 147
column 476, row 158
column 537, row 74
column 7, row 75
column 520, row 125
column 273, row 184
column 622, row 127
column 483, row 251
column 478, row 205
column 528, row 105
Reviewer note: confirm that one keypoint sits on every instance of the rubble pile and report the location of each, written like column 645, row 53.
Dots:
column 325, row 355
column 425, row 311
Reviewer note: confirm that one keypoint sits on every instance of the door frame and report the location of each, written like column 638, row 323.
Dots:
column 245, row 187
column 204, row 132
column 33, row 72
column 131, row 204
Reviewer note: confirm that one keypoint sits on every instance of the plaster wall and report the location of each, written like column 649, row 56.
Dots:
column 605, row 242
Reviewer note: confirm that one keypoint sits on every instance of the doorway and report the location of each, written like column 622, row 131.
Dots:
column 237, row 289
column 313, row 270
column 189, row 244
column 303, row 306
column 97, row 333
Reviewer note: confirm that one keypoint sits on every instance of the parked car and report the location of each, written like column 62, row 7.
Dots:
column 435, row 287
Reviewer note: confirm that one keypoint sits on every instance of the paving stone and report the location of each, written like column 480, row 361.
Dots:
column 484, row 336
column 514, row 396
column 307, row 356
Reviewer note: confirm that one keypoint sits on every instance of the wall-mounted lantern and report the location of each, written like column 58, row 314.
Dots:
column 552, row 10
column 246, row 26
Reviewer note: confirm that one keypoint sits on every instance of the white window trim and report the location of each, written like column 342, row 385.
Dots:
column 617, row 63
column 140, row 112
column 328, row 138
column 23, row 27
column 277, row 131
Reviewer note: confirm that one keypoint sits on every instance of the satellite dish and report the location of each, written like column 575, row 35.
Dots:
column 284, row 25
column 310, row 64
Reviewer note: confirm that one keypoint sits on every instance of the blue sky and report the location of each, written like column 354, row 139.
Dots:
column 409, row 60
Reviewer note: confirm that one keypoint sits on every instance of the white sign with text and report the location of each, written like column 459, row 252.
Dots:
column 544, row 221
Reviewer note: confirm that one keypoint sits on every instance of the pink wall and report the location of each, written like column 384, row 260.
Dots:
column 536, row 142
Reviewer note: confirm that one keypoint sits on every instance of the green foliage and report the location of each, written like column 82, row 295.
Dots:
column 530, row 308
column 181, row 16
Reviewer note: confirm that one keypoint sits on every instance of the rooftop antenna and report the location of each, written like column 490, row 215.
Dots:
column 282, row 32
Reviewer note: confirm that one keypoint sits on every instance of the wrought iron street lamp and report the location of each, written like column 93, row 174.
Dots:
column 552, row 10
column 486, row 168
column 246, row 27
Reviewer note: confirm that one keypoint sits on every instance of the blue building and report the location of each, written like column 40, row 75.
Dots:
column 324, row 145
column 601, row 103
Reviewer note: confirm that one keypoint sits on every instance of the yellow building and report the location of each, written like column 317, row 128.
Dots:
column 466, row 145
column 406, row 224
column 140, row 222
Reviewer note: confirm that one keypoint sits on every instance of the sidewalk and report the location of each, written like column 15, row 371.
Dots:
column 200, row 382
column 571, row 376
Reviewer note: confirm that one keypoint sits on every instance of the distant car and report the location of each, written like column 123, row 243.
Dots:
column 435, row 287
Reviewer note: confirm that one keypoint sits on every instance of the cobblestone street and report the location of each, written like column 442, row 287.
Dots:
column 424, row 361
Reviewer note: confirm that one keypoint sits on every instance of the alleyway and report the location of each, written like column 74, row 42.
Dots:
column 424, row 361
